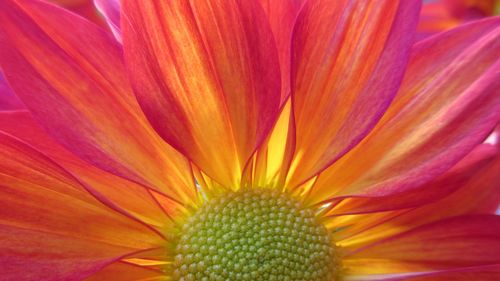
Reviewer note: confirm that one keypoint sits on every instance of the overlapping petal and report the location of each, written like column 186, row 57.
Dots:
column 448, row 104
column 270, row 164
column 207, row 75
column 110, row 9
column 137, row 200
column 70, row 75
column 459, row 242
column 33, row 255
column 122, row 271
column 348, row 59
column 49, row 222
column 476, row 273
column 457, row 177
column 84, row 8
column 8, row 100
column 479, row 195
column 281, row 16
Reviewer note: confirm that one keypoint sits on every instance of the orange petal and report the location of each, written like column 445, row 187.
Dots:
column 460, row 175
column 281, row 16
column 271, row 162
column 447, row 105
column 121, row 271
column 359, row 271
column 207, row 75
column 85, row 102
column 348, row 59
column 135, row 199
column 480, row 194
column 459, row 242
column 478, row 273
column 50, row 224
column 33, row 255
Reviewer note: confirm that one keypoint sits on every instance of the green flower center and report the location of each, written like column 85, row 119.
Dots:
column 254, row 235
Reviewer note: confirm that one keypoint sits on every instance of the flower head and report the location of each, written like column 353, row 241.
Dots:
column 247, row 140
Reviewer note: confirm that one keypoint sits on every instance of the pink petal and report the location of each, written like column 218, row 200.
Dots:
column 85, row 102
column 453, row 243
column 50, row 226
column 281, row 16
column 476, row 273
column 129, row 196
column 111, row 12
column 348, row 59
column 479, row 195
column 457, row 177
column 448, row 104
column 8, row 100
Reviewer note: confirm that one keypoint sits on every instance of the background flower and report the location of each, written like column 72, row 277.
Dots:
column 440, row 15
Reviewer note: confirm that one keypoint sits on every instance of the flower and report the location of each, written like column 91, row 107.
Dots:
column 265, row 141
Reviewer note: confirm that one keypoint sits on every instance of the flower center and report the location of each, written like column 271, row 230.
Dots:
column 254, row 235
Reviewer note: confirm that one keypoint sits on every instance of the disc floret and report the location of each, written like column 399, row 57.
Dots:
column 254, row 235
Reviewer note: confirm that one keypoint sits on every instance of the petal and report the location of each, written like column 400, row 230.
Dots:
column 479, row 273
column 473, row 9
column 454, row 179
column 133, row 198
column 476, row 273
column 447, row 105
column 110, row 9
column 207, row 75
column 8, row 100
column 458, row 242
column 348, row 61
column 479, row 195
column 84, row 8
column 271, row 162
column 85, row 102
column 435, row 17
column 49, row 256
column 281, row 16
column 494, row 137
column 30, row 178
column 121, row 271
column 51, row 224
